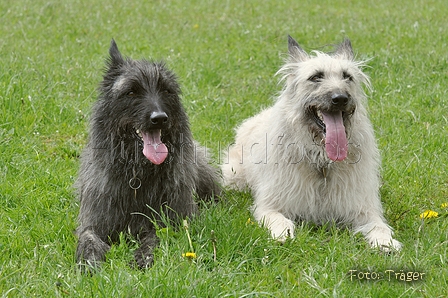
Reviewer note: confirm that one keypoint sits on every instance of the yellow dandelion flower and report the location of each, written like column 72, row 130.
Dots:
column 248, row 221
column 190, row 255
column 195, row 26
column 429, row 214
column 444, row 205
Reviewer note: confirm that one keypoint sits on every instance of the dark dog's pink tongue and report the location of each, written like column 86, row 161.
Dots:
column 153, row 148
column 335, row 139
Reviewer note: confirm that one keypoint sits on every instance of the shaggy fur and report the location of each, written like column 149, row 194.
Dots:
column 140, row 160
column 313, row 156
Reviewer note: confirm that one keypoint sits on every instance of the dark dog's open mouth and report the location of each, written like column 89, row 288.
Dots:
column 153, row 147
column 332, row 125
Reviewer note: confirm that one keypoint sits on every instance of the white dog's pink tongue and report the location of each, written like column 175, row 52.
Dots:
column 335, row 139
column 153, row 148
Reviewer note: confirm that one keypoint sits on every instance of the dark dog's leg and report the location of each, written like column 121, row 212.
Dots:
column 144, row 254
column 91, row 249
column 207, row 186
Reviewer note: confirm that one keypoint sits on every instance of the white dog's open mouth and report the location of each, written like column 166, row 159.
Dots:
column 332, row 125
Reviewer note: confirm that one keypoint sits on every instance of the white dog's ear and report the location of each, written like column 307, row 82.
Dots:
column 345, row 50
column 296, row 53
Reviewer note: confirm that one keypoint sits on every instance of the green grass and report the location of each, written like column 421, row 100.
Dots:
column 226, row 54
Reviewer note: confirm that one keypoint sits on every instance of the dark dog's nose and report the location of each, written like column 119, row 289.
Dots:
column 158, row 119
column 339, row 100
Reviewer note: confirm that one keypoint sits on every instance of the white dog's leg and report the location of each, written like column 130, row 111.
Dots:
column 280, row 226
column 379, row 234
column 232, row 168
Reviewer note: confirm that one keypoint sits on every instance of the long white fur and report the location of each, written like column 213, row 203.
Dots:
column 288, row 172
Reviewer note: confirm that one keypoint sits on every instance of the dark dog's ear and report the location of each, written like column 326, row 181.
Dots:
column 295, row 51
column 345, row 50
column 115, row 55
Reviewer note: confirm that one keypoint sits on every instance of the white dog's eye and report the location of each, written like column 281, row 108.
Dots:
column 317, row 77
column 347, row 76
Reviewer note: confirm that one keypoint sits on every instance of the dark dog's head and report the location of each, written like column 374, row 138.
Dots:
column 142, row 99
column 325, row 90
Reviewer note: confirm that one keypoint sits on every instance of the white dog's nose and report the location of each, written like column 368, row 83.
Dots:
column 339, row 100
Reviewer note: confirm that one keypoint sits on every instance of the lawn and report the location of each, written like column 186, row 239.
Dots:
column 226, row 54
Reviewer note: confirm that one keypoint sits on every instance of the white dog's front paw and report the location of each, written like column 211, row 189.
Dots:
column 386, row 244
column 379, row 235
column 382, row 239
column 281, row 227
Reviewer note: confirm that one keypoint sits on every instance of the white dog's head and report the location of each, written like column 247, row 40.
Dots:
column 324, row 91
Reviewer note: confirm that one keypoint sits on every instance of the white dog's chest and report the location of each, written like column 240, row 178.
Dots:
column 318, row 195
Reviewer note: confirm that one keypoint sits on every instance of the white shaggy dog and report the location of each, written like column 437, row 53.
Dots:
column 313, row 156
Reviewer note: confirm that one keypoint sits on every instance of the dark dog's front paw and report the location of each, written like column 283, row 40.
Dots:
column 91, row 251
column 144, row 259
column 144, row 254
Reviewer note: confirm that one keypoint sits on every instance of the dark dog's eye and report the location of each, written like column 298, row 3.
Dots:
column 317, row 77
column 131, row 93
column 347, row 76
column 167, row 92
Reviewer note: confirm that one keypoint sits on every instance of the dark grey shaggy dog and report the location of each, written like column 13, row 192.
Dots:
column 140, row 160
